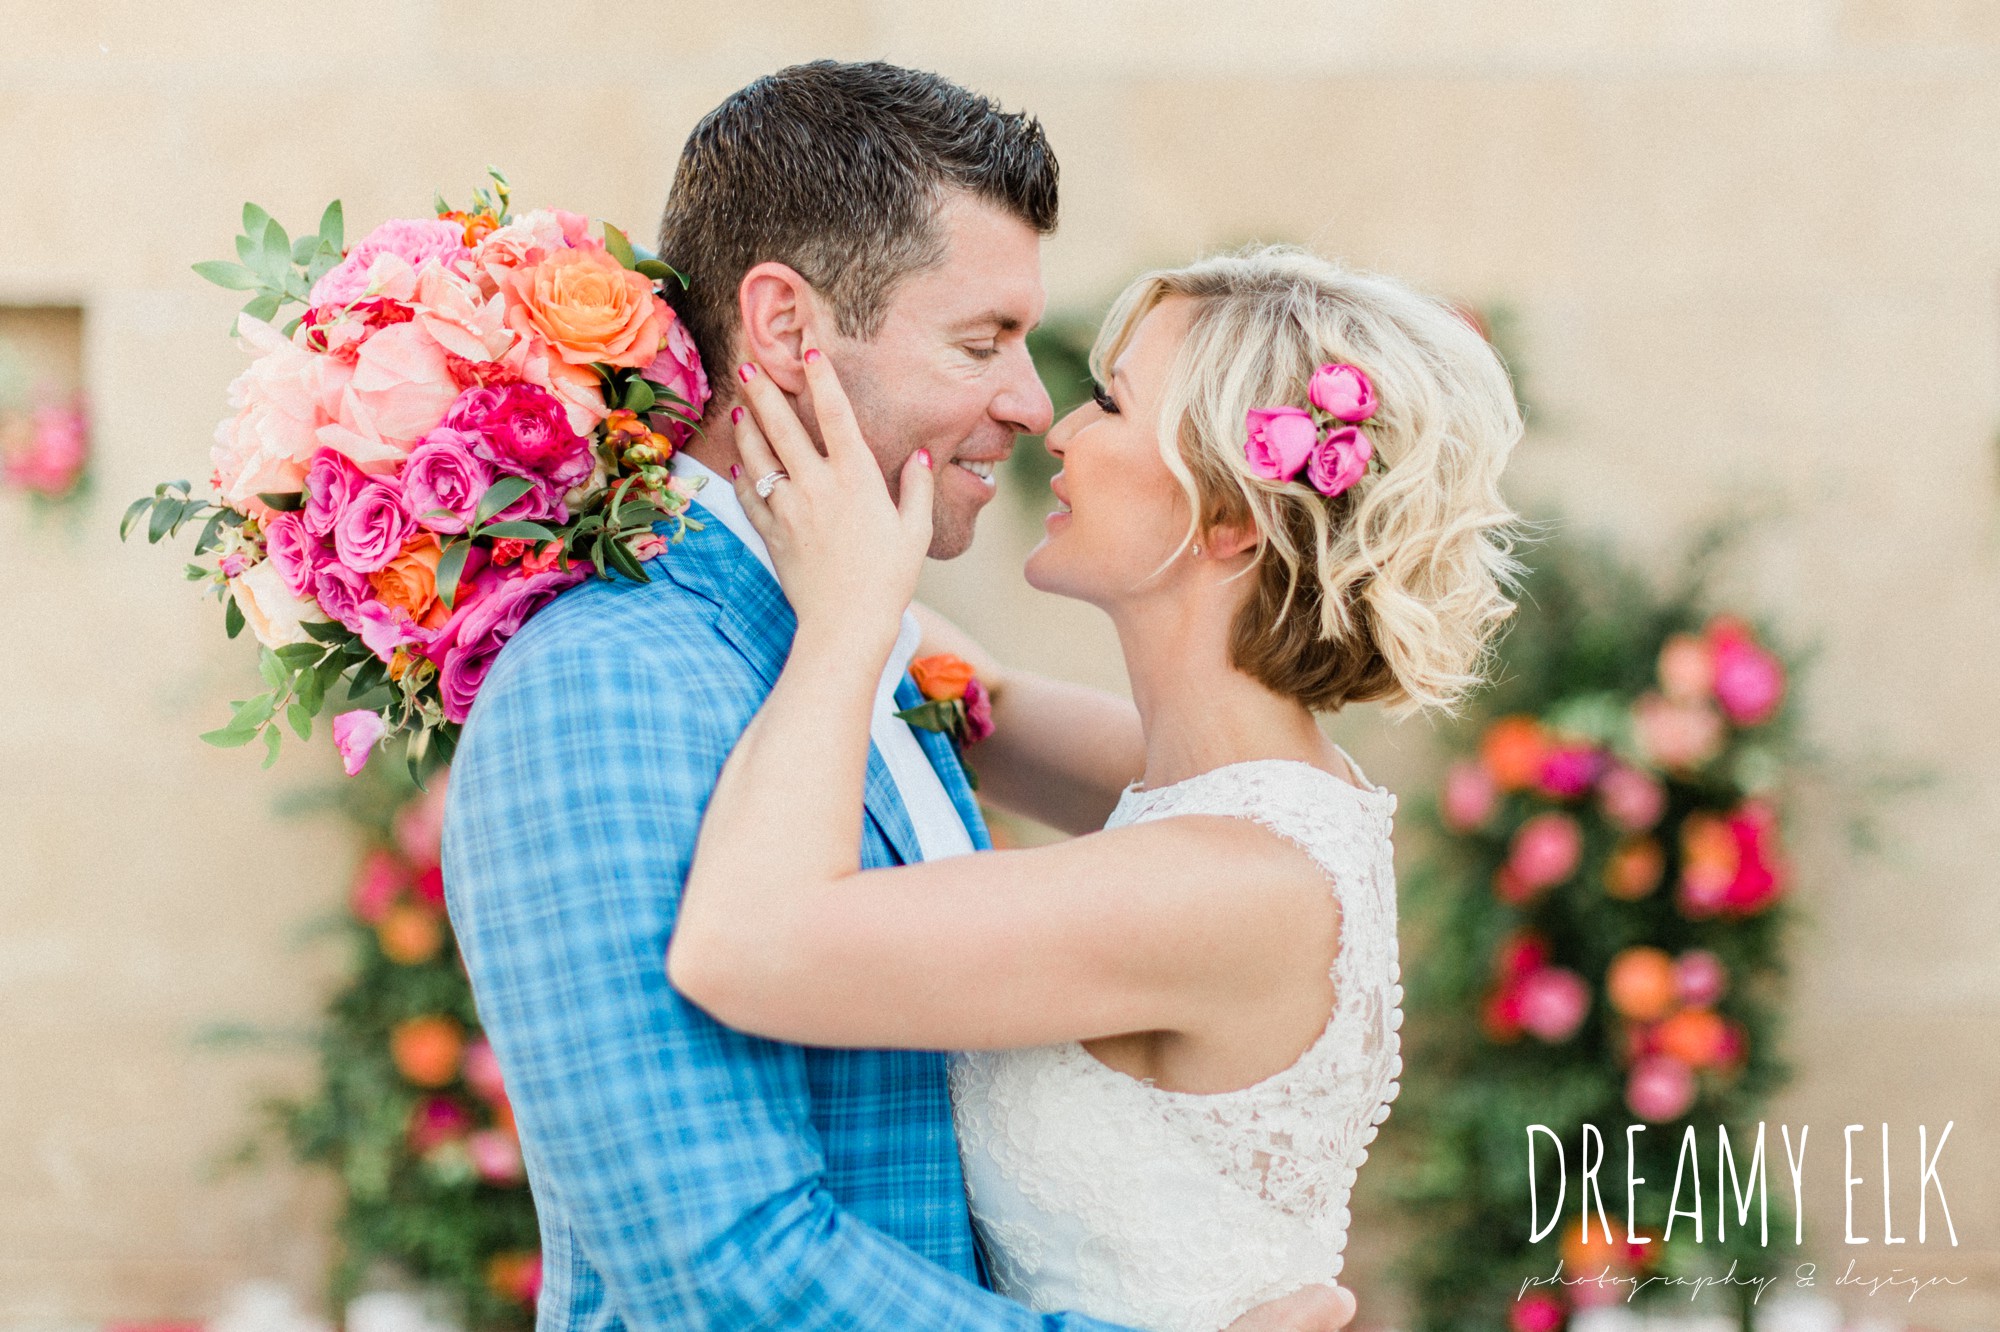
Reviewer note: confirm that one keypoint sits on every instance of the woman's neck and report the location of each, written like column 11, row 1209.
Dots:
column 1196, row 709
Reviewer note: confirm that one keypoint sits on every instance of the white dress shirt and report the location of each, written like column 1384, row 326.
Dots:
column 940, row 831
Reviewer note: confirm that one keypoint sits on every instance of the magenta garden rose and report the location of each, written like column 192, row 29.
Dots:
column 443, row 481
column 1281, row 440
column 1342, row 392
column 524, row 431
column 488, row 624
column 1339, row 460
column 372, row 528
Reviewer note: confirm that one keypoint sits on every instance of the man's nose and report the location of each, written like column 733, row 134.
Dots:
column 1023, row 403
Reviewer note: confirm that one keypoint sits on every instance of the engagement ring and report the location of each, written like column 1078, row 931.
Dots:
column 768, row 483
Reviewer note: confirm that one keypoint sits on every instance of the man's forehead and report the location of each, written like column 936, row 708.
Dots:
column 991, row 275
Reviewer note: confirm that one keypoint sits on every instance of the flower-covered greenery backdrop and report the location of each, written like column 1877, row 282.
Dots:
column 1596, row 932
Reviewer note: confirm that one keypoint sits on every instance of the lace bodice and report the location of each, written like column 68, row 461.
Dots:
column 1177, row 1211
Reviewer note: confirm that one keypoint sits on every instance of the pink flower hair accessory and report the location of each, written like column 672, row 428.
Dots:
column 1326, row 443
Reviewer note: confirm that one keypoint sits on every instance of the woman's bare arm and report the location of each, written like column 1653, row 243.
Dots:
column 1060, row 753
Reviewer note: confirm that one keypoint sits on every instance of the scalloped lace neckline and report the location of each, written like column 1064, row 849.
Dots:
column 1371, row 791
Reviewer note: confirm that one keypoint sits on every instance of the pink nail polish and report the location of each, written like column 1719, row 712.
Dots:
column 736, row 416
column 735, row 472
column 812, row 354
column 924, row 456
column 746, row 372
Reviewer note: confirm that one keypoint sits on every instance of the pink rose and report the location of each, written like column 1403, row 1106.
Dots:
column 678, row 369
column 1749, row 681
column 1339, row 460
column 443, row 482
column 401, row 386
column 294, row 550
column 1342, row 392
column 435, row 1121
column 340, row 592
column 496, row 1155
column 1536, row 1312
column 330, row 484
column 1470, row 797
column 355, row 735
column 371, row 530
column 1554, row 1003
column 1281, row 440
column 482, row 1071
column 1674, row 734
column 383, row 629
column 978, row 712
column 1699, row 977
column 58, row 448
column 413, row 240
column 1660, row 1089
column 488, row 623
column 1632, row 799
column 1545, row 850
column 1568, row 770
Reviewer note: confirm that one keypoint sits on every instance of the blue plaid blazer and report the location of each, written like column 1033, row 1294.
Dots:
column 687, row 1176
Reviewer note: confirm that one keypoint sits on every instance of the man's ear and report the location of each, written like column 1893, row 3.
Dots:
column 781, row 315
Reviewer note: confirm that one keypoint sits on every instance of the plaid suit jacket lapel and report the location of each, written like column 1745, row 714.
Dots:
column 944, row 759
column 752, row 613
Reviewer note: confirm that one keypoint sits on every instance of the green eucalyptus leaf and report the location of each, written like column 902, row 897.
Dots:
column 228, row 737
column 273, row 737
column 264, row 307
column 303, row 249
column 254, row 219
column 247, row 246
column 639, row 396
column 450, row 567
column 620, row 248
column 225, row 274
column 272, row 669
column 132, row 512
column 498, row 496
column 301, row 719
column 284, row 501
column 332, row 226
column 519, row 531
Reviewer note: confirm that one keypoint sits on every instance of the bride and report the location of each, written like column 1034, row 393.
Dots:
column 1182, row 1023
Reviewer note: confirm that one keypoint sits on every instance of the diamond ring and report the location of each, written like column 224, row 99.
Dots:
column 769, row 482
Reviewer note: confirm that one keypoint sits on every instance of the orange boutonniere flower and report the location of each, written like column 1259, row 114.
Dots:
column 955, row 703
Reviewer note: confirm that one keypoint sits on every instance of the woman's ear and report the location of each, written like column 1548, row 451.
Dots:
column 781, row 315
column 1226, row 540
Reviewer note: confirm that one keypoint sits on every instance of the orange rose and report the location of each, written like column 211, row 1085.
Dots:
column 427, row 1050
column 410, row 934
column 942, row 676
column 409, row 582
column 589, row 307
column 1512, row 750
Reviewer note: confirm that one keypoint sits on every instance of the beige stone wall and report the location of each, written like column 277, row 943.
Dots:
column 1755, row 250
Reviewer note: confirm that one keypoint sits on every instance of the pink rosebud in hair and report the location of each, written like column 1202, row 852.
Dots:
column 1281, row 439
column 1340, row 460
column 1343, row 392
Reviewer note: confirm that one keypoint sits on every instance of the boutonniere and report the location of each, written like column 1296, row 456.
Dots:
column 955, row 703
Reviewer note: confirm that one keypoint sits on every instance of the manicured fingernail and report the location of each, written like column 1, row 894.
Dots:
column 736, row 416
column 735, row 472
column 746, row 372
column 924, row 457
column 812, row 354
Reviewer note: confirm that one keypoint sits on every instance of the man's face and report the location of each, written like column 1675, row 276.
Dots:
column 949, row 369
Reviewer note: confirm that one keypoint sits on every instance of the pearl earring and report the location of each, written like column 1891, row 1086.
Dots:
column 1197, row 550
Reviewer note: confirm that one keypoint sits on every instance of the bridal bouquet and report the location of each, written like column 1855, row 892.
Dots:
column 473, row 413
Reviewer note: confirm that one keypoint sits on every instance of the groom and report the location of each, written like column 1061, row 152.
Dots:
column 687, row 1175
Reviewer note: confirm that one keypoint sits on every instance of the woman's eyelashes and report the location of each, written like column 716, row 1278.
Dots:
column 1102, row 397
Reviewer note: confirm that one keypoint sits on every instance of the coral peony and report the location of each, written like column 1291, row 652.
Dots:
column 1686, row 668
column 1512, row 751
column 1640, row 983
column 1634, row 869
column 426, row 1050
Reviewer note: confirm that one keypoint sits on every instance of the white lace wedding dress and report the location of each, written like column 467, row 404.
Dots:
column 1176, row 1211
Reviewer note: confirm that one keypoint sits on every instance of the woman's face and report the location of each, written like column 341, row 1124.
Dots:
column 1121, row 514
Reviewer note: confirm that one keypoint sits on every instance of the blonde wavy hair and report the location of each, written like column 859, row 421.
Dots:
column 1394, row 590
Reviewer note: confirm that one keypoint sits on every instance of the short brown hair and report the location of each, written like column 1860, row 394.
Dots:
column 839, row 171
